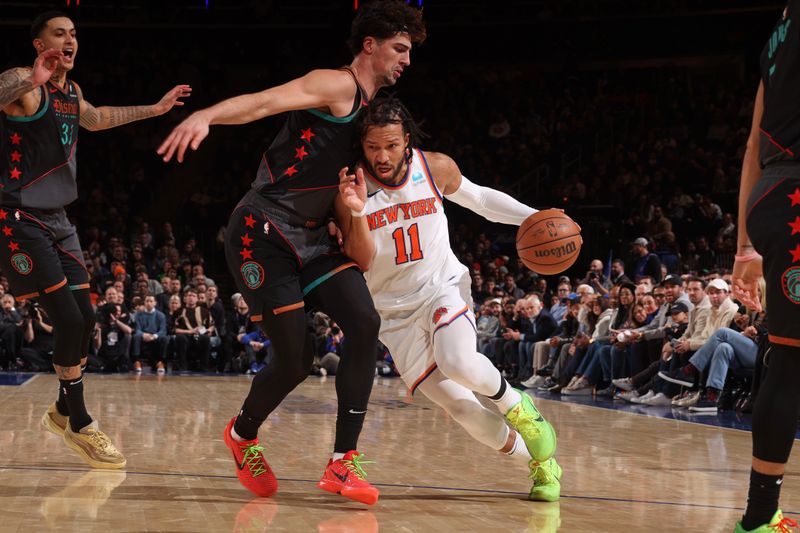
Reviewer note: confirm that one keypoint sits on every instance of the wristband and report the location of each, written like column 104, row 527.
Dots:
column 361, row 213
column 748, row 257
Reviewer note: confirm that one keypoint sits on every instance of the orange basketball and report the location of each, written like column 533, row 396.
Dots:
column 548, row 242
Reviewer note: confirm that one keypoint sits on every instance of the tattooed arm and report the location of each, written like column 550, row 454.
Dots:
column 17, row 83
column 105, row 117
column 14, row 84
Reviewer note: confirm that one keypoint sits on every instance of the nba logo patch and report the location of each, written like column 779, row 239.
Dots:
column 438, row 314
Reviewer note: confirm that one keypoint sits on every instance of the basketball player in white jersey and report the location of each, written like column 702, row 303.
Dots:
column 393, row 224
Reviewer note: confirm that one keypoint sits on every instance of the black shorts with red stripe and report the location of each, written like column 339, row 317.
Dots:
column 40, row 252
column 276, row 261
column 773, row 224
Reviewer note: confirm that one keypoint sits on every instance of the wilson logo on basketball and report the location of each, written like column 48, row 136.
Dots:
column 438, row 314
column 557, row 251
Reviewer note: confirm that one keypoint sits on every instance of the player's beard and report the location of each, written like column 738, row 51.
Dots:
column 393, row 179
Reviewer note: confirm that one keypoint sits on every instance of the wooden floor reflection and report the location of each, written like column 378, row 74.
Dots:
column 622, row 472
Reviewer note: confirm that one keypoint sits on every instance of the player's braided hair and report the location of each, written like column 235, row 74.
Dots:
column 383, row 19
column 386, row 110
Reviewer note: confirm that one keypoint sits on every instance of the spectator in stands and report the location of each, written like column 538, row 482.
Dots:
column 193, row 329
column 199, row 272
column 644, row 262
column 256, row 346
column 488, row 323
column 536, row 325
column 510, row 287
column 238, row 324
column 559, row 310
column 162, row 299
column 10, row 331
column 150, row 337
column 37, row 351
column 618, row 276
column 113, row 333
column 660, row 226
column 154, row 287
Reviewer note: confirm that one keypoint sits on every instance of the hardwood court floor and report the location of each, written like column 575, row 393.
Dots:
column 623, row 472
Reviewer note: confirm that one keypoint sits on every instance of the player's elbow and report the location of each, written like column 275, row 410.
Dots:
column 362, row 255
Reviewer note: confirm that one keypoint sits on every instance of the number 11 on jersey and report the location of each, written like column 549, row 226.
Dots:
column 400, row 245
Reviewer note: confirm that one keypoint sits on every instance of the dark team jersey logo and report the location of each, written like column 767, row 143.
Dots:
column 22, row 263
column 438, row 314
column 253, row 274
column 791, row 284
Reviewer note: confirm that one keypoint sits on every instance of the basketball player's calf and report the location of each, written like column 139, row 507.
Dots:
column 80, row 432
column 345, row 298
column 456, row 357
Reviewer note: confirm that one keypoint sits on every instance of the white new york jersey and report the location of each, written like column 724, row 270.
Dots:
column 413, row 259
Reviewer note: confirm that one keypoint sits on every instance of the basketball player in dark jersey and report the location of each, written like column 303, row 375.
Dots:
column 278, row 247
column 41, row 111
column 769, row 246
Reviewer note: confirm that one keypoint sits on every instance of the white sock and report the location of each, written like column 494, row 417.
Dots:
column 519, row 451
column 508, row 400
column 236, row 436
column 336, row 456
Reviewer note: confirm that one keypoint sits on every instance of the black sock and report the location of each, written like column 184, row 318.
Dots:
column 762, row 500
column 246, row 426
column 503, row 387
column 61, row 402
column 73, row 397
column 349, row 422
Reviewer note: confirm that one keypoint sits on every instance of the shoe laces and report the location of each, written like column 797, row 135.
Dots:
column 537, row 467
column 101, row 440
column 354, row 465
column 254, row 459
column 787, row 525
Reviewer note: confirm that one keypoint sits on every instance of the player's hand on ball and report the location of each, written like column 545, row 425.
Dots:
column 190, row 132
column 353, row 189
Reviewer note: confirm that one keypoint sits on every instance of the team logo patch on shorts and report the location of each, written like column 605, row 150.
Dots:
column 438, row 314
column 790, row 284
column 22, row 263
column 253, row 274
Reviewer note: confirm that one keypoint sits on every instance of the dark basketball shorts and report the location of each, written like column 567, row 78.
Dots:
column 773, row 224
column 40, row 252
column 276, row 264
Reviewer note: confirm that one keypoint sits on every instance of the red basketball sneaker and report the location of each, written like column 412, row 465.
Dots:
column 251, row 468
column 346, row 477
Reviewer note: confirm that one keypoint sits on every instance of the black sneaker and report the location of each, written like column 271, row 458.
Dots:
column 545, row 371
column 679, row 377
column 704, row 405
column 548, row 384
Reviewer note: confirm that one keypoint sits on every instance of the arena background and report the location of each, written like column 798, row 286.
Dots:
column 590, row 89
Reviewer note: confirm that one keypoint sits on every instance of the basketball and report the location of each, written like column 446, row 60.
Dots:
column 548, row 242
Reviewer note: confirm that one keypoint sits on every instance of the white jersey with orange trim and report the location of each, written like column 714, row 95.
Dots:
column 413, row 260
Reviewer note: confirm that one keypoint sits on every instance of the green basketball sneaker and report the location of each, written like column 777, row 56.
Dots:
column 538, row 434
column 546, row 478
column 778, row 524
